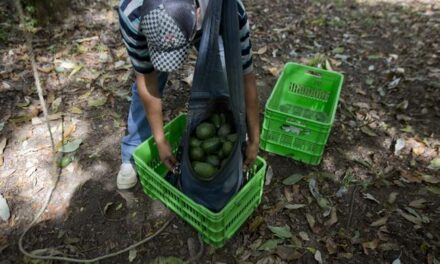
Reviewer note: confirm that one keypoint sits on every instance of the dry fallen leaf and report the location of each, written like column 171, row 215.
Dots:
column 368, row 131
column 311, row 220
column 66, row 136
column 293, row 179
column 270, row 244
column 318, row 256
column 288, row 253
column 269, row 176
column 371, row 198
column 4, row 209
column 413, row 219
column 39, row 121
column 132, row 255
column 97, row 102
column 333, row 218
column 75, row 110
column 409, row 176
column 274, row 71
column 288, row 194
column 75, row 70
column 257, row 222
column 380, row 222
column 400, row 144
column 85, row 96
column 56, row 105
column 419, row 203
column 304, row 236
column 389, row 246
column 262, row 50
column 281, row 231
column 47, row 68
column 328, row 65
column 430, row 179
column 294, row 206
column 418, row 148
column 433, row 189
column 434, row 164
column 166, row 260
column 370, row 245
column 392, row 197
column 331, row 246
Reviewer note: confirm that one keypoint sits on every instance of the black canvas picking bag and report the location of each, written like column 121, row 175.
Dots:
column 210, row 77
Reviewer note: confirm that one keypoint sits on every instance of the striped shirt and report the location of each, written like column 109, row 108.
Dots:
column 129, row 12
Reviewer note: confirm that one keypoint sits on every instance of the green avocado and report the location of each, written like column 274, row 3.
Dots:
column 211, row 145
column 220, row 153
column 204, row 170
column 205, row 130
column 213, row 160
column 196, row 153
column 223, row 118
column 232, row 137
column 216, row 120
column 194, row 142
column 227, row 148
column 224, row 130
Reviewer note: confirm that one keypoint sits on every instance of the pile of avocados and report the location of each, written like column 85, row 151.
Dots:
column 211, row 145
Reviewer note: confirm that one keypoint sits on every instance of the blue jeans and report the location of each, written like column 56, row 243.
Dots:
column 137, row 123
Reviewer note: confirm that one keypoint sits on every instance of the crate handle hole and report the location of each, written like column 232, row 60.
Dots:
column 314, row 74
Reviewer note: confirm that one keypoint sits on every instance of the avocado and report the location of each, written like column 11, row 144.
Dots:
column 227, row 148
column 194, row 142
column 205, row 130
column 211, row 145
column 232, row 137
column 223, row 118
column 224, row 130
column 216, row 120
column 204, row 170
column 213, row 160
column 220, row 153
column 197, row 153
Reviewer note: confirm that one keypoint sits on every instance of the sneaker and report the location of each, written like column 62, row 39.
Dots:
column 126, row 177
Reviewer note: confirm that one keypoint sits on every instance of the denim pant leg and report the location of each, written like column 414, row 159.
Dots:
column 138, row 128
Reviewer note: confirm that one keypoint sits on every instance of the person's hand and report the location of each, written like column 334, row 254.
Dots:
column 166, row 155
column 251, row 153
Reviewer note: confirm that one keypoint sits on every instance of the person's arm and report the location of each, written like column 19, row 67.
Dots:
column 147, row 85
column 147, row 82
column 253, row 120
column 250, row 88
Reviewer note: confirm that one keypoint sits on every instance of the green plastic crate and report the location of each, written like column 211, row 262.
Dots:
column 215, row 228
column 300, row 112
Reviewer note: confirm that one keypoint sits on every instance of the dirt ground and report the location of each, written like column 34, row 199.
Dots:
column 379, row 174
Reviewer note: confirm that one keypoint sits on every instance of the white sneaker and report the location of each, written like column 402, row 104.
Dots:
column 126, row 177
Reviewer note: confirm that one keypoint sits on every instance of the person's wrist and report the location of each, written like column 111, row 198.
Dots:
column 160, row 140
column 254, row 141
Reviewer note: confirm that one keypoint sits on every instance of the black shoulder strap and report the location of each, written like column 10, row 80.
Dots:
column 208, row 70
column 234, row 68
